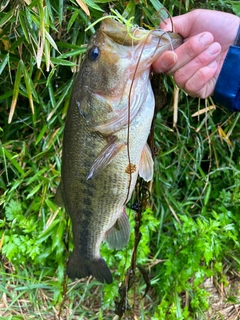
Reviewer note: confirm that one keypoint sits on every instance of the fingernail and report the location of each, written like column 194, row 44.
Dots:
column 213, row 64
column 214, row 48
column 205, row 38
column 169, row 61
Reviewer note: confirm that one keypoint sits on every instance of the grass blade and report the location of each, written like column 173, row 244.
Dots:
column 12, row 159
column 16, row 90
column 6, row 17
column 4, row 62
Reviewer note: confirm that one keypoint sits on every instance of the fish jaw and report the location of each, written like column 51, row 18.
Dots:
column 145, row 46
column 150, row 49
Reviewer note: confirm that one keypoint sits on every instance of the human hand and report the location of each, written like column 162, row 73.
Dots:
column 196, row 64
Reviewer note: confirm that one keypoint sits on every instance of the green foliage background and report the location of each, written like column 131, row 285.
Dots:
column 191, row 231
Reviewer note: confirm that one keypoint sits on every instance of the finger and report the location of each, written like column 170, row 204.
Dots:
column 191, row 49
column 166, row 61
column 182, row 75
column 167, row 25
column 202, row 83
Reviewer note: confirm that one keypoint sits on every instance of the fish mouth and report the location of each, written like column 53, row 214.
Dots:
column 117, row 31
column 123, row 35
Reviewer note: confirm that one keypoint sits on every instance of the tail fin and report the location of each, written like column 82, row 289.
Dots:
column 81, row 268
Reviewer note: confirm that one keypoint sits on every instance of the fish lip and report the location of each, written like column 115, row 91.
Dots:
column 120, row 33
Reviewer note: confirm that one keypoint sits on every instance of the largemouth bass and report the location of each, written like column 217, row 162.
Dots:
column 104, row 145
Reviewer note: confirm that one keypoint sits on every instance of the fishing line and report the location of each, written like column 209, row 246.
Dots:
column 130, row 169
column 137, row 240
column 129, row 115
column 122, row 305
column 116, row 17
column 131, row 277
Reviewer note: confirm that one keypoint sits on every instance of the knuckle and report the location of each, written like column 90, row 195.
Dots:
column 200, row 60
column 196, row 86
column 192, row 48
column 180, row 78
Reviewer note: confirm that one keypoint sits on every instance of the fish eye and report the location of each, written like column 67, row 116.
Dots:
column 94, row 54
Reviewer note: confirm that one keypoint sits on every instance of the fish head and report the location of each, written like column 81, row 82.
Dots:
column 115, row 51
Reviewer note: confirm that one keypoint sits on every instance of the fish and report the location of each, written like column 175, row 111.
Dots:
column 105, row 140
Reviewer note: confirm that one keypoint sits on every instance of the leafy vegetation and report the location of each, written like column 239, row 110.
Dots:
column 190, row 232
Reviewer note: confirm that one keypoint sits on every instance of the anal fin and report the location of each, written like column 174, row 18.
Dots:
column 118, row 236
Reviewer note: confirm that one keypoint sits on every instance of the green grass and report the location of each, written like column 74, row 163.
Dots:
column 190, row 233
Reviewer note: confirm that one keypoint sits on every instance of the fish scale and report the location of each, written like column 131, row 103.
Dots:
column 109, row 118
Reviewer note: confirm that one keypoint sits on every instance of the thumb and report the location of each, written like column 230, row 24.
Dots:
column 166, row 25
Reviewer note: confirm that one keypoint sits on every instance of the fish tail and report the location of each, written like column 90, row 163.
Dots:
column 81, row 268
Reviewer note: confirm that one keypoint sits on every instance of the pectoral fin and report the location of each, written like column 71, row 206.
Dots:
column 108, row 153
column 118, row 236
column 146, row 164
